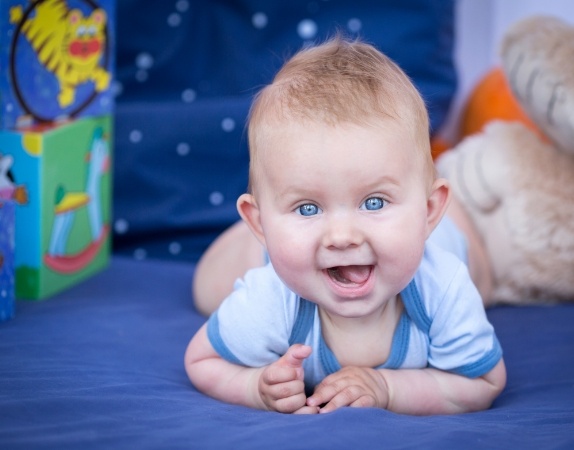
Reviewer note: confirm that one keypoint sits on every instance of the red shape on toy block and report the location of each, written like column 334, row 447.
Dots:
column 74, row 263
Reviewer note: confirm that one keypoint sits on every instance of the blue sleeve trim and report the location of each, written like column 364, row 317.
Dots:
column 400, row 345
column 415, row 308
column 483, row 365
column 328, row 359
column 217, row 341
column 303, row 322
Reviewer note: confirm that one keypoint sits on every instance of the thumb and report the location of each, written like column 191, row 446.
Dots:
column 294, row 357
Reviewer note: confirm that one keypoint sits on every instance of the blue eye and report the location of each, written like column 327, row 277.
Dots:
column 308, row 209
column 373, row 204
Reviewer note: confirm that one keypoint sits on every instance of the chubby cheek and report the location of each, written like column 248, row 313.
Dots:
column 408, row 264
column 402, row 252
column 291, row 254
column 288, row 253
column 290, row 270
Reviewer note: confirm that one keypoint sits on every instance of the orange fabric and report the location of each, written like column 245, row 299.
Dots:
column 492, row 99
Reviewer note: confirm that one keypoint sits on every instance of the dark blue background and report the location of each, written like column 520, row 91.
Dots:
column 171, row 203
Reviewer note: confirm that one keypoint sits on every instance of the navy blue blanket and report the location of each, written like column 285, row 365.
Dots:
column 101, row 366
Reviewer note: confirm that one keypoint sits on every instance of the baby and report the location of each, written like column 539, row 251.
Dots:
column 367, row 300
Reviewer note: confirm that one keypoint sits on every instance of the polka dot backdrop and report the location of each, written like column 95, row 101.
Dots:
column 186, row 74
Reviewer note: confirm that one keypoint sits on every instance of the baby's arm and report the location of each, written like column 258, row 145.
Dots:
column 409, row 391
column 278, row 386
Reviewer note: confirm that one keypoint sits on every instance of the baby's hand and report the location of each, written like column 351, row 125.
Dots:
column 351, row 386
column 281, row 385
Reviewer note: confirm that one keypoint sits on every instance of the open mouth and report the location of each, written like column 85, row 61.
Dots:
column 350, row 276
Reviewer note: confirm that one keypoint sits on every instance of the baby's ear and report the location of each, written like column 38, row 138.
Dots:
column 250, row 213
column 437, row 203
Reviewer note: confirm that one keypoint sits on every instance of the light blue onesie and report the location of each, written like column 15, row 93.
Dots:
column 443, row 324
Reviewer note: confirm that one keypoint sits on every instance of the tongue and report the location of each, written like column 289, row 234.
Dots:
column 351, row 274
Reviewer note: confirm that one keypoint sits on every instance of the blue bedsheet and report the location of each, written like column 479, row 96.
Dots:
column 101, row 366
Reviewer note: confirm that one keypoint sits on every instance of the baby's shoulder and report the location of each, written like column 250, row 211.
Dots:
column 261, row 289
column 440, row 267
column 263, row 279
column 441, row 278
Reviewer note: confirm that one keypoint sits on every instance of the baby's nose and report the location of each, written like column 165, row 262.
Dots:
column 341, row 233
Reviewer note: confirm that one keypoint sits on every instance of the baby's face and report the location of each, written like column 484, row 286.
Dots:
column 344, row 212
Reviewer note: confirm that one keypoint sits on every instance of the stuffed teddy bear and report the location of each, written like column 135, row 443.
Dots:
column 518, row 188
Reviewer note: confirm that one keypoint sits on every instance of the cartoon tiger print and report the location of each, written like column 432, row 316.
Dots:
column 68, row 44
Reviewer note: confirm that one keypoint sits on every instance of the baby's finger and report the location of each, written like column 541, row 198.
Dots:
column 307, row 410
column 285, row 390
column 294, row 358
column 351, row 396
column 344, row 397
column 276, row 374
column 291, row 404
column 324, row 393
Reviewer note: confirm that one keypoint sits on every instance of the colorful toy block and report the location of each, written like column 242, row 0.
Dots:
column 61, row 182
column 56, row 60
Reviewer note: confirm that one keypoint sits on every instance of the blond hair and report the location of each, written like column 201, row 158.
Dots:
column 339, row 81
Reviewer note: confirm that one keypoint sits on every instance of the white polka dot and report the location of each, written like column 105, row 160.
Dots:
column 216, row 198
column 354, row 25
column 141, row 75
column 140, row 254
column 175, row 248
column 307, row 29
column 182, row 148
column 144, row 61
column 259, row 20
column 4, row 293
column 9, row 107
column 121, row 226
column 228, row 124
column 188, row 95
column 117, row 88
column 136, row 136
column 182, row 5
column 174, row 20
